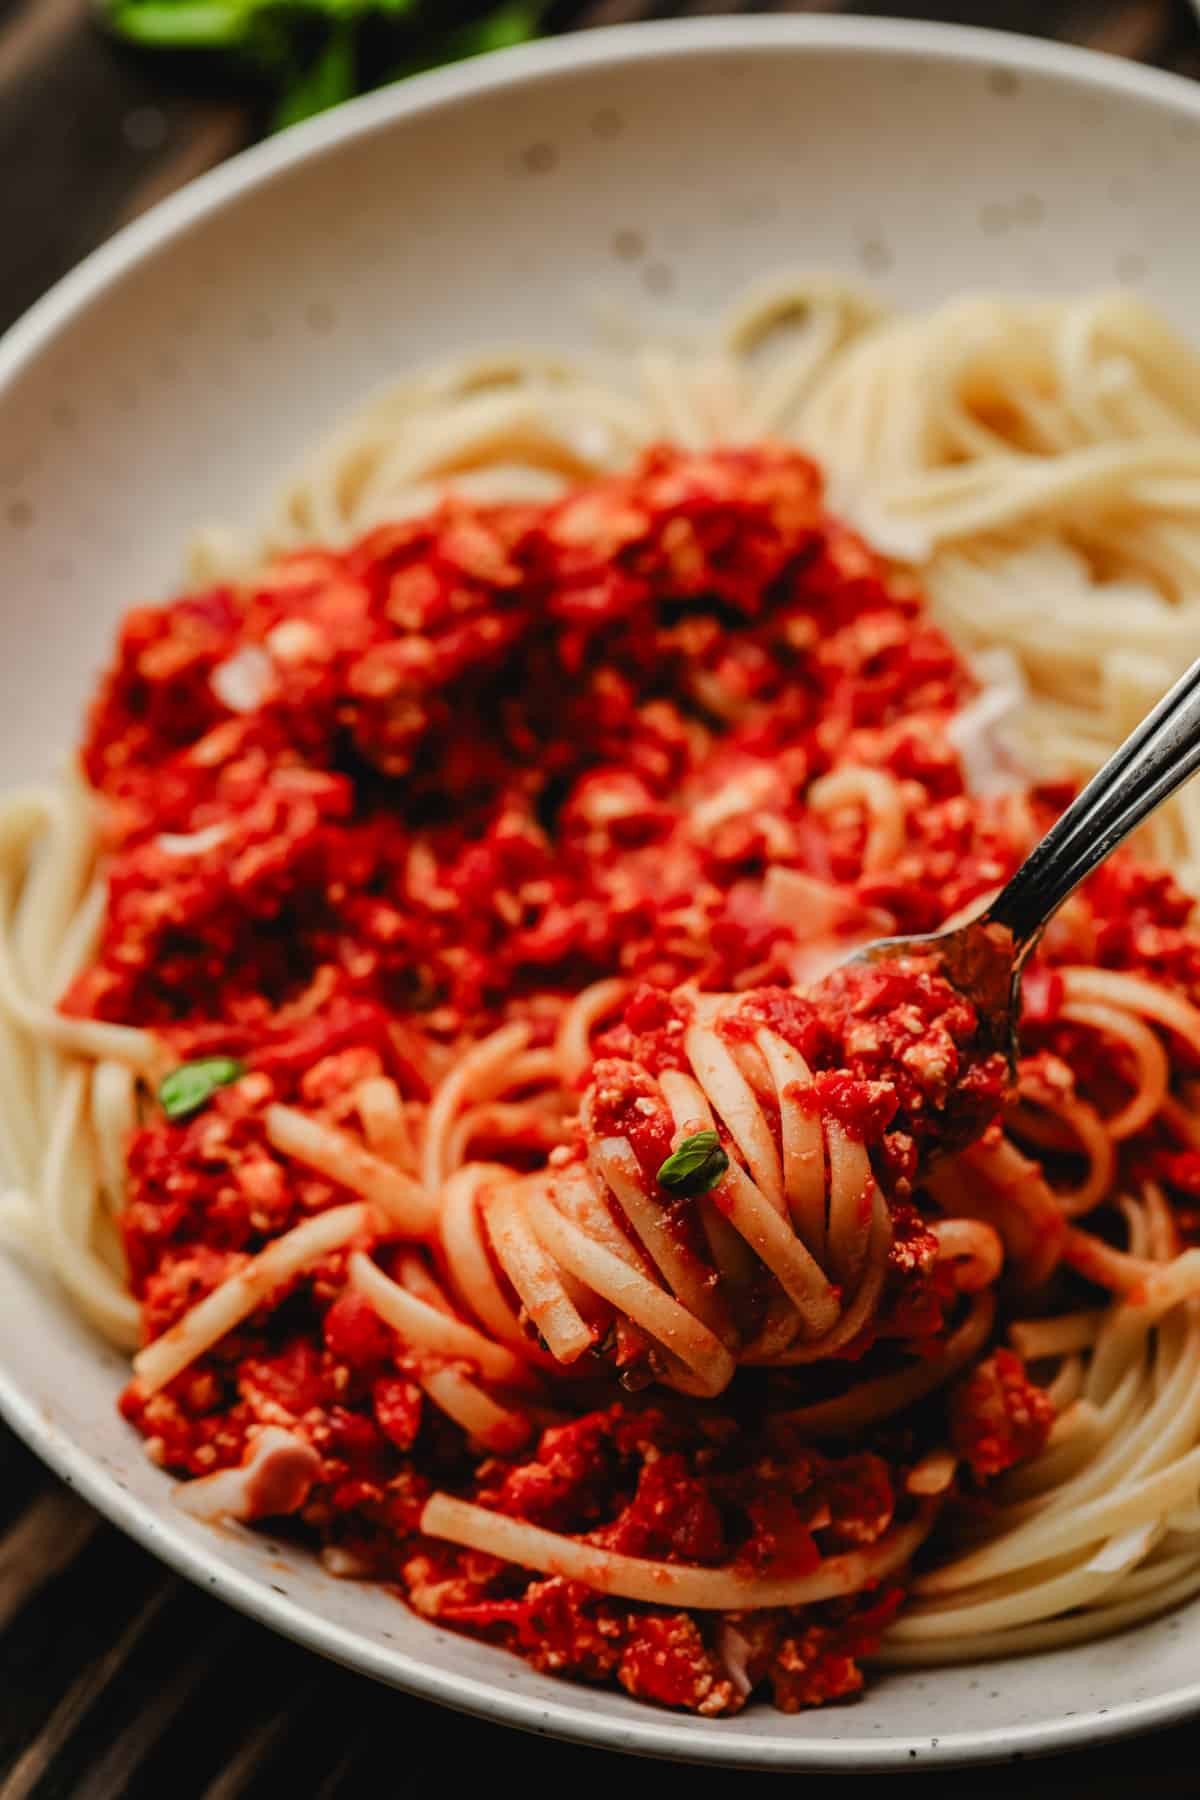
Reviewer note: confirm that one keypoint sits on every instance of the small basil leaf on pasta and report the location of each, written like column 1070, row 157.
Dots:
column 192, row 1085
column 695, row 1166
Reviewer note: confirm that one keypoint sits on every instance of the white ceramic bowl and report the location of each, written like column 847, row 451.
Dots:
column 168, row 379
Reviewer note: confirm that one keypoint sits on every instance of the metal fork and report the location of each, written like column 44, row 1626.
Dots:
column 984, row 958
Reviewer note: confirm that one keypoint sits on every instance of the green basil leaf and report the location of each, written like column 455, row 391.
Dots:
column 696, row 1166
column 192, row 1085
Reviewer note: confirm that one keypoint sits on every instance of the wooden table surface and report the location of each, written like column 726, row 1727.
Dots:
column 116, row 1678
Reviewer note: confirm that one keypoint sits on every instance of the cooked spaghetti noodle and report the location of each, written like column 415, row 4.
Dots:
column 419, row 1043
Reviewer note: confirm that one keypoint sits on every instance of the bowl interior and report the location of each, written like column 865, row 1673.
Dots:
column 649, row 172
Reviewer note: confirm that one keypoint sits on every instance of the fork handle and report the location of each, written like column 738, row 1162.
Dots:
column 1154, row 760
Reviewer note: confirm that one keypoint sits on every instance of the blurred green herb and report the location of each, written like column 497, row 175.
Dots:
column 192, row 1085
column 312, row 54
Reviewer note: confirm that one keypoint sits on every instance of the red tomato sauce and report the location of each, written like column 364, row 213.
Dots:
column 379, row 800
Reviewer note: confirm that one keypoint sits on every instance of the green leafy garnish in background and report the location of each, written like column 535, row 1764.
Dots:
column 312, row 54
column 330, row 78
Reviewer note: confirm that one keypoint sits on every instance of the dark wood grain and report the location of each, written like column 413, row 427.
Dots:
column 118, row 1681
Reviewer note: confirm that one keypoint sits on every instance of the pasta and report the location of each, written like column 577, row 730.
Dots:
column 427, row 1035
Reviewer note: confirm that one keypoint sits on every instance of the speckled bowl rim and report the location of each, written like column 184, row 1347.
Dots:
column 52, row 317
